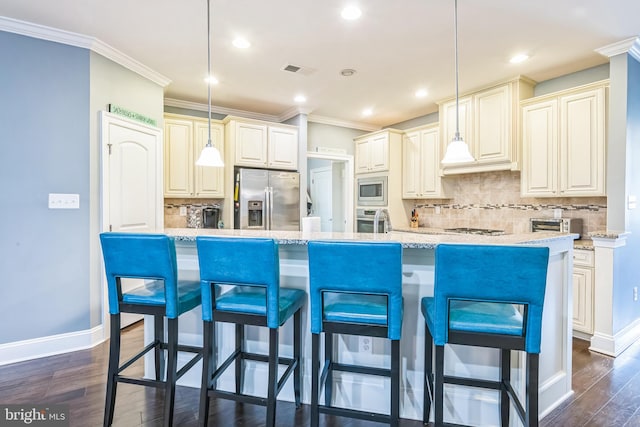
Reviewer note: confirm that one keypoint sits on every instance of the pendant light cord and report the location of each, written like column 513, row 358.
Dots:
column 209, row 67
column 455, row 26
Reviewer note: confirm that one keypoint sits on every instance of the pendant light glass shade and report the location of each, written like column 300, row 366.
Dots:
column 457, row 150
column 210, row 156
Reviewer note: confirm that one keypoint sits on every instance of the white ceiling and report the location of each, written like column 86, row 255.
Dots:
column 396, row 47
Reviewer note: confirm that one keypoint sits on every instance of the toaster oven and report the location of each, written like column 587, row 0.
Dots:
column 561, row 225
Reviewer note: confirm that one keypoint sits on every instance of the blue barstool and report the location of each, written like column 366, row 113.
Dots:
column 151, row 257
column 355, row 289
column 486, row 296
column 251, row 267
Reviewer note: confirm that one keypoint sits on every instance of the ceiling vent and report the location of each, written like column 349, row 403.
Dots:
column 298, row 69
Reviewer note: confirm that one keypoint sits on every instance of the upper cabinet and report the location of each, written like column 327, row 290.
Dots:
column 258, row 144
column 421, row 163
column 563, row 141
column 184, row 138
column 372, row 152
column 489, row 124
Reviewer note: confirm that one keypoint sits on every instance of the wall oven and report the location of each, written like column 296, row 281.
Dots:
column 364, row 221
column 372, row 191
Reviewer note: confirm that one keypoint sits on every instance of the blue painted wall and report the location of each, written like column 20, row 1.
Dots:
column 625, row 309
column 44, row 128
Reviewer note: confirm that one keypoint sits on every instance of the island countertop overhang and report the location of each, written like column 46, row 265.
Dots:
column 407, row 239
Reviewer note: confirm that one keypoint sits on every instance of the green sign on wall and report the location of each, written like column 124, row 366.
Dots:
column 116, row 109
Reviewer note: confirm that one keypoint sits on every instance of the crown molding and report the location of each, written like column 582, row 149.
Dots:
column 630, row 45
column 342, row 123
column 69, row 38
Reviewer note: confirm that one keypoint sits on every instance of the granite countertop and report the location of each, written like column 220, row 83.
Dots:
column 584, row 244
column 422, row 239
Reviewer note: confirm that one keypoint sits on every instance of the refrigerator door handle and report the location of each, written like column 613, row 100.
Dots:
column 270, row 206
column 267, row 209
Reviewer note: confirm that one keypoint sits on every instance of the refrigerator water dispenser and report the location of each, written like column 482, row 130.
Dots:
column 255, row 213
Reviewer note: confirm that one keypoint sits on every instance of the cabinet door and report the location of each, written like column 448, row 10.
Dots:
column 283, row 148
column 492, row 125
column 362, row 156
column 448, row 129
column 178, row 158
column 539, row 177
column 582, row 139
column 209, row 182
column 430, row 185
column 379, row 153
column 411, row 165
column 251, row 144
column 583, row 299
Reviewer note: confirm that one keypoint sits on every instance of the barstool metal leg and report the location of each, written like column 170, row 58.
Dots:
column 532, row 384
column 505, row 378
column 315, row 374
column 114, row 361
column 172, row 365
column 240, row 359
column 438, row 395
column 208, row 367
column 158, row 336
column 428, row 375
column 328, row 361
column 273, row 377
column 395, row 383
column 297, row 351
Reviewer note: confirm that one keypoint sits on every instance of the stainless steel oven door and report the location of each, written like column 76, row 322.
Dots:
column 365, row 225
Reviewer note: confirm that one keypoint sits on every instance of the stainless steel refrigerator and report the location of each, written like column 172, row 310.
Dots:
column 266, row 200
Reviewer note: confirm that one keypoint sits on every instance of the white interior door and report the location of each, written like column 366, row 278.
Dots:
column 321, row 196
column 131, row 182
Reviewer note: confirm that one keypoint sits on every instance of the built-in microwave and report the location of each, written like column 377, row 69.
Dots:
column 372, row 191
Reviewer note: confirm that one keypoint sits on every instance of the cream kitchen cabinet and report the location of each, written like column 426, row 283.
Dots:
column 372, row 152
column 489, row 124
column 258, row 144
column 421, row 163
column 583, row 290
column 184, row 138
column 563, row 143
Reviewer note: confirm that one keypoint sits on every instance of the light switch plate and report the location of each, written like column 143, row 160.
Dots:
column 64, row 201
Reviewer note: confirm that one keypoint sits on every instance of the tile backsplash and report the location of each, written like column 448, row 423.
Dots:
column 492, row 200
column 193, row 218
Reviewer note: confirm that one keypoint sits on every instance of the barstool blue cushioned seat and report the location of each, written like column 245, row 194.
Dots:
column 151, row 257
column 486, row 296
column 252, row 267
column 355, row 289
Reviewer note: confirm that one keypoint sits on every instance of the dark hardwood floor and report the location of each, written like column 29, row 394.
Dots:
column 607, row 393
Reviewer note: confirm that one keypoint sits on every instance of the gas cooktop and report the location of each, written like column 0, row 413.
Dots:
column 481, row 231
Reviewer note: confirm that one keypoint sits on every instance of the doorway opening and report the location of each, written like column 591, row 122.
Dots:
column 330, row 190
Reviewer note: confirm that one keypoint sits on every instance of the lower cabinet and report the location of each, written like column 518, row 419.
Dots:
column 583, row 290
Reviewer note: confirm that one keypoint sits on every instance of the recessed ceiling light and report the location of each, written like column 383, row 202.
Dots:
column 351, row 13
column 211, row 80
column 421, row 93
column 347, row 72
column 367, row 112
column 521, row 57
column 300, row 98
column 241, row 43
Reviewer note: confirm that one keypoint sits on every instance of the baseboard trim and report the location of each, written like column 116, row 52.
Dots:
column 616, row 344
column 36, row 348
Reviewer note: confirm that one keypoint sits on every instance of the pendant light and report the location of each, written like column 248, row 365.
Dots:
column 457, row 150
column 210, row 156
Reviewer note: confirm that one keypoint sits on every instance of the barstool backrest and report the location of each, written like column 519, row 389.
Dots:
column 140, row 256
column 240, row 261
column 357, row 267
column 502, row 274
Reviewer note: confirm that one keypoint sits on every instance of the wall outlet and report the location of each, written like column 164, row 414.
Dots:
column 64, row 201
column 635, row 293
column 437, row 210
column 183, row 211
column 365, row 345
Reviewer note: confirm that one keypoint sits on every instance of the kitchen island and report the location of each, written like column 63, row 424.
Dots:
column 462, row 405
